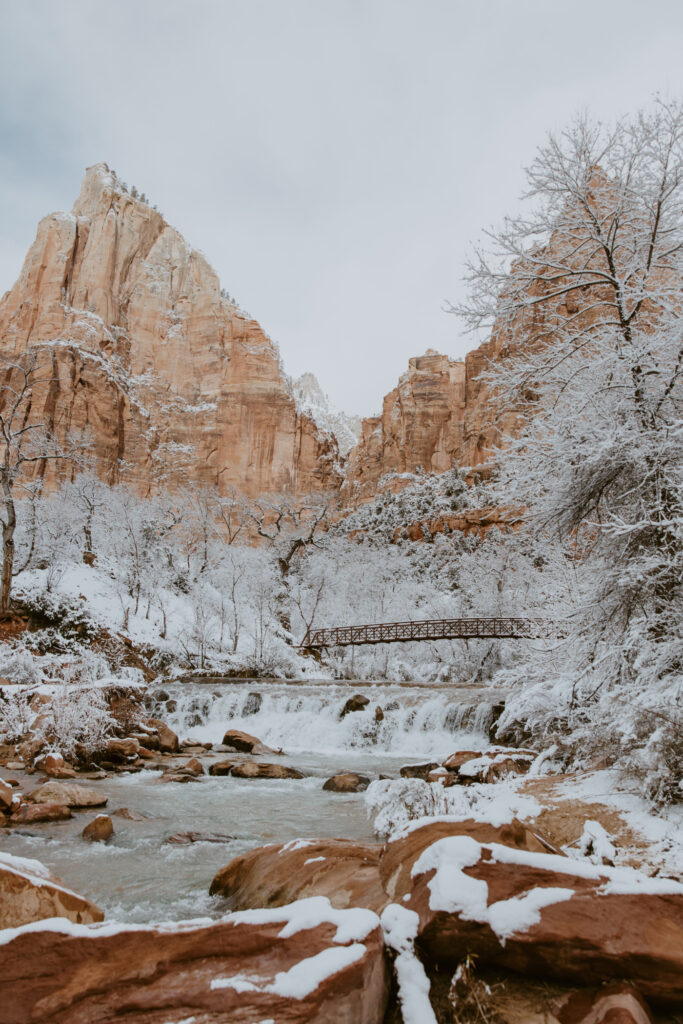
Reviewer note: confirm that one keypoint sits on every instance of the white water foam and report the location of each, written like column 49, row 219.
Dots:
column 308, row 717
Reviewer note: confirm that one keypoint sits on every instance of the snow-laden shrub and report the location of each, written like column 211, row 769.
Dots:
column 76, row 721
column 16, row 716
column 85, row 669
column 20, row 665
column 393, row 803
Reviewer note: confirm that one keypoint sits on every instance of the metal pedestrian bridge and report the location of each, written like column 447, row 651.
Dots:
column 431, row 629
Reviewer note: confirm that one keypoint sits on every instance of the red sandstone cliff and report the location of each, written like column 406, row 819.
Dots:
column 421, row 425
column 162, row 376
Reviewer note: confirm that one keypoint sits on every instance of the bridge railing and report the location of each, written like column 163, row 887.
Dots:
column 431, row 629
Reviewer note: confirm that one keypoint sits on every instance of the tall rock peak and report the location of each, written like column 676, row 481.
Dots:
column 161, row 375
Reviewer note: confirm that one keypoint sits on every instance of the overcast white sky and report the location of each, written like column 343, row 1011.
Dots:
column 333, row 158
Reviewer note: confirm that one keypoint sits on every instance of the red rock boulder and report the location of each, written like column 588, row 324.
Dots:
column 546, row 915
column 614, row 1004
column 302, row 964
column 344, row 871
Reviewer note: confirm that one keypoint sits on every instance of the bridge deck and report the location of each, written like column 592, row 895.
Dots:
column 430, row 629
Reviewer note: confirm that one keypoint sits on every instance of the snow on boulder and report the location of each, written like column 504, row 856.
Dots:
column 345, row 871
column 306, row 962
column 29, row 892
column 400, row 854
column 547, row 915
column 168, row 740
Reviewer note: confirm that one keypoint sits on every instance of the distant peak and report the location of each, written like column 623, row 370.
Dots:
column 99, row 184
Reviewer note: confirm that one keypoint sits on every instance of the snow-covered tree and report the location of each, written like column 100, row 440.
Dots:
column 25, row 446
column 585, row 296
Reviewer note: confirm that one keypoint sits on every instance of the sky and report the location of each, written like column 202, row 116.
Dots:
column 335, row 160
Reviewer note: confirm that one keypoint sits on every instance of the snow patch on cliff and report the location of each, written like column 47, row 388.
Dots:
column 312, row 401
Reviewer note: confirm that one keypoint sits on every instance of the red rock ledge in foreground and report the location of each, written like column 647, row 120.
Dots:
column 541, row 914
column 306, row 962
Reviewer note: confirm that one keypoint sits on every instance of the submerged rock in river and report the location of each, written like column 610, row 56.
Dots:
column 251, row 770
column 99, row 830
column 185, row 838
column 347, row 782
column 356, row 703
column 29, row 814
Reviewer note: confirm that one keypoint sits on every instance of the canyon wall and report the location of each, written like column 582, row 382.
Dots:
column 440, row 415
column 140, row 358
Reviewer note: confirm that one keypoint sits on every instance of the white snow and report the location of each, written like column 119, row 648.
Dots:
column 313, row 860
column 311, row 400
column 401, row 805
column 296, row 844
column 595, row 843
column 453, row 891
column 354, row 924
column 300, row 980
column 399, row 927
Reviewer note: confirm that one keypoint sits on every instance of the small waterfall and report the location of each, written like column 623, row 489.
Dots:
column 414, row 721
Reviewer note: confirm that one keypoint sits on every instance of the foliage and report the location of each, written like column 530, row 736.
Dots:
column 590, row 325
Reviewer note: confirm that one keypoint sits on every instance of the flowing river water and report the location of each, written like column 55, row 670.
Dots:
column 137, row 876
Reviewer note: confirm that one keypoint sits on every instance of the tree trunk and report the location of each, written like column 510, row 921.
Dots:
column 8, row 528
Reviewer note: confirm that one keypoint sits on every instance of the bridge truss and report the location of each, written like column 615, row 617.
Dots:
column 431, row 629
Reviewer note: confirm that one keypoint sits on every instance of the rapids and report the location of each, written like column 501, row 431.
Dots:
column 136, row 876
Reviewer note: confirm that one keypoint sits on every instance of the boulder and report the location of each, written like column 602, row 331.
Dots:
column 490, row 765
column 347, row 782
column 6, row 796
column 29, row 892
column 185, row 838
column 344, row 871
column 67, row 793
column 307, row 963
column 148, row 740
column 221, row 767
column 56, row 767
column 401, row 854
column 29, row 814
column 356, row 703
column 418, row 771
column 179, row 775
column 252, row 704
column 168, row 740
column 125, row 812
column 120, row 751
column 614, row 1004
column 99, row 830
column 244, row 743
column 460, row 757
column 194, row 766
column 250, row 770
column 547, row 915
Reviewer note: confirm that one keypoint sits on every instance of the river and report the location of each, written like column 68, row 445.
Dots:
column 139, row 877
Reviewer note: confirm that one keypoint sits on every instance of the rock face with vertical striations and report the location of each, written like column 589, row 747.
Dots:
column 420, row 428
column 138, row 353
